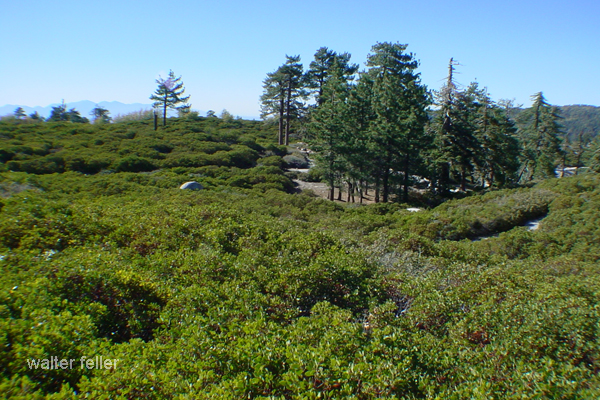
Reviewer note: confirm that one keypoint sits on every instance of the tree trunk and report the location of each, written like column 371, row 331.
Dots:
column 331, row 180
column 349, row 192
column 406, row 177
column 386, row 184
column 287, row 116
column 523, row 171
column 444, row 178
column 360, row 191
column 281, row 104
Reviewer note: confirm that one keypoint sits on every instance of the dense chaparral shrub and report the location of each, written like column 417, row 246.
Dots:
column 242, row 290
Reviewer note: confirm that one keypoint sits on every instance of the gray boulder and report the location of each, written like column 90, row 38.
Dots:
column 191, row 186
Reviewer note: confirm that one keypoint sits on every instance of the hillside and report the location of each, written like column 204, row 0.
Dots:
column 214, row 150
column 576, row 120
column 580, row 119
column 248, row 290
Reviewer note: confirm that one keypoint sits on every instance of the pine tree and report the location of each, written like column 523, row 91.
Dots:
column 361, row 160
column 594, row 162
column 283, row 95
column 273, row 100
column 541, row 136
column 328, row 79
column 74, row 116
column 293, row 73
column 59, row 113
column 319, row 70
column 574, row 150
column 399, row 106
column 498, row 150
column 456, row 144
column 328, row 127
column 19, row 113
column 100, row 115
column 36, row 116
column 169, row 94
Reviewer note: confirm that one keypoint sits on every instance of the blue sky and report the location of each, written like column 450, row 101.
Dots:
column 114, row 50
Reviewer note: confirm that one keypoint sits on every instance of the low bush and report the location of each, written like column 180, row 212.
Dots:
column 133, row 164
column 295, row 161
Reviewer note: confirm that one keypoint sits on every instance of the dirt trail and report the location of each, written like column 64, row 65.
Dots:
column 320, row 189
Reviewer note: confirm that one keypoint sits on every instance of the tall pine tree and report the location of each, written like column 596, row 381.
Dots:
column 497, row 158
column 329, row 127
column 283, row 95
column 456, row 144
column 273, row 100
column 399, row 105
column 541, row 137
column 359, row 155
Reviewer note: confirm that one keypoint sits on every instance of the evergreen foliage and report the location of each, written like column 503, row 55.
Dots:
column 580, row 120
column 319, row 71
column 283, row 94
column 542, row 139
column 100, row 115
column 475, row 138
column 576, row 121
column 36, row 116
column 19, row 113
column 60, row 113
column 169, row 95
column 399, row 103
column 329, row 127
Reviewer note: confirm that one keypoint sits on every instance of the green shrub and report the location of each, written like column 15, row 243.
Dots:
column 295, row 161
column 313, row 175
column 272, row 161
column 133, row 164
column 276, row 150
column 46, row 165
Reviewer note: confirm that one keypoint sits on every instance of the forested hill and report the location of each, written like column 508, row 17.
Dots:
column 580, row 119
column 576, row 119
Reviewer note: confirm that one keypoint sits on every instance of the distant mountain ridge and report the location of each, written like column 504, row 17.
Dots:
column 577, row 119
column 84, row 107
column 580, row 120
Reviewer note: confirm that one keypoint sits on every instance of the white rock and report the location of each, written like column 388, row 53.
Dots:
column 191, row 186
